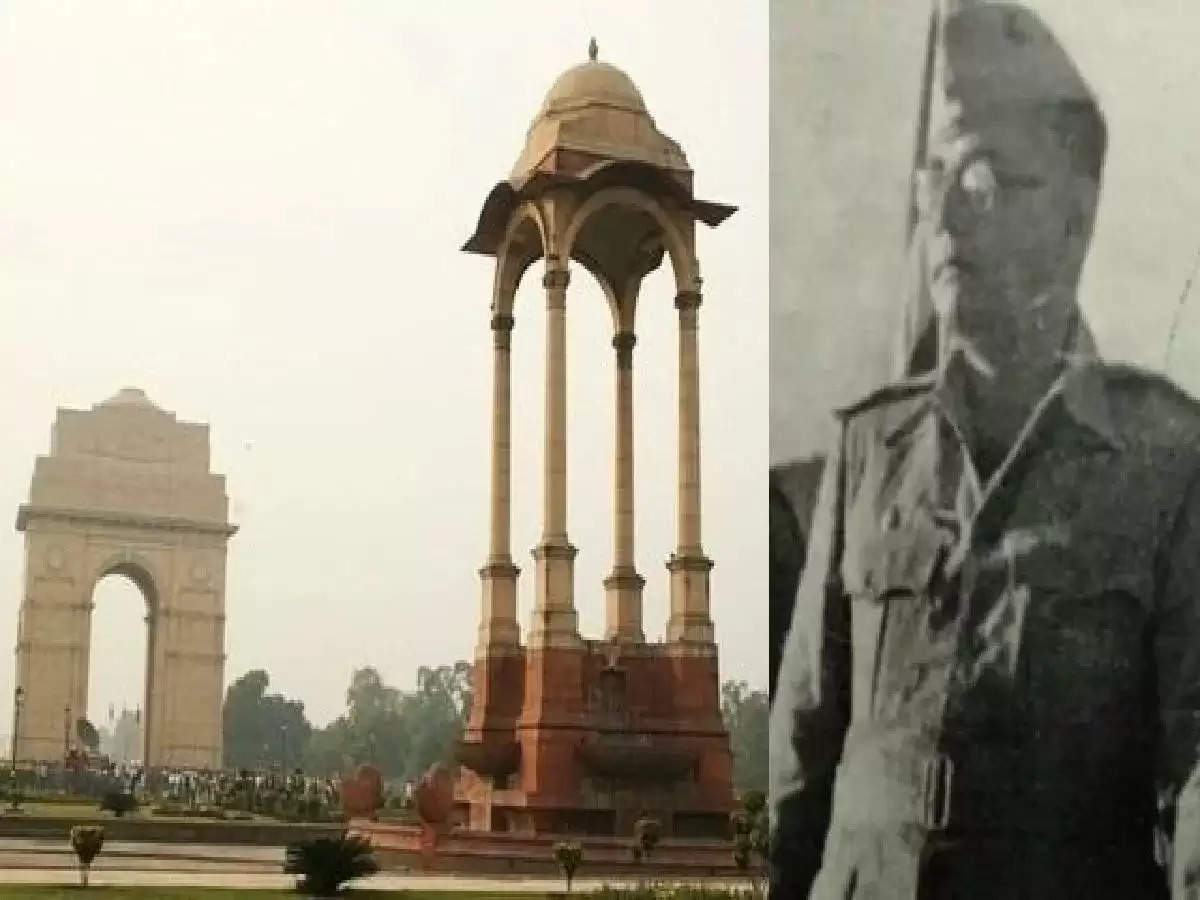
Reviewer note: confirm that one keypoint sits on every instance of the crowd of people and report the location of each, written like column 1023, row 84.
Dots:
column 274, row 793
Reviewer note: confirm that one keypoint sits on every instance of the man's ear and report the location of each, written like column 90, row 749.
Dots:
column 1085, row 194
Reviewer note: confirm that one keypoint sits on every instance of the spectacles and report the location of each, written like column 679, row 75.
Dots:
column 979, row 183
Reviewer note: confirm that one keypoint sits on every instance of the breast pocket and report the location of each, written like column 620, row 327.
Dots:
column 1085, row 633
column 887, row 571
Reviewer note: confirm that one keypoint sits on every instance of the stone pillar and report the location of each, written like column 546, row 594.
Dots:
column 555, row 623
column 498, row 626
column 690, row 621
column 623, row 588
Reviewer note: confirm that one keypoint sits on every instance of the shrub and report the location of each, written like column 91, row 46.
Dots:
column 118, row 803
column 750, row 837
column 86, row 841
column 325, row 864
column 568, row 855
column 646, row 833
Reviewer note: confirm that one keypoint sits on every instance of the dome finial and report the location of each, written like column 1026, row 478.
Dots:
column 593, row 49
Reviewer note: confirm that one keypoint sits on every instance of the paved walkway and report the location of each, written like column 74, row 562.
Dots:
column 381, row 882
column 55, row 853
column 48, row 861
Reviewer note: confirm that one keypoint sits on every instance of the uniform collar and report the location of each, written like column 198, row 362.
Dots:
column 1080, row 384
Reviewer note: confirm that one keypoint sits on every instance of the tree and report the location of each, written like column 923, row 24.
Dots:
column 255, row 724
column 403, row 733
column 747, row 714
column 326, row 753
column 434, row 715
column 88, row 736
column 377, row 733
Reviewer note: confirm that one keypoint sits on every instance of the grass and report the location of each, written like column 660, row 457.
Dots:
column 98, row 892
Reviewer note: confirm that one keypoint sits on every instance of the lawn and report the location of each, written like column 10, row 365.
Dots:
column 51, row 892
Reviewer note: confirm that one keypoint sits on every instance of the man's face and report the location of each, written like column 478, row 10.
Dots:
column 1002, row 213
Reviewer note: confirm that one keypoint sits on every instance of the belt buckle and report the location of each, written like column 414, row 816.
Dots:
column 938, row 779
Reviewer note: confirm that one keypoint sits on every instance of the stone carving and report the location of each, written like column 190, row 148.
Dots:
column 362, row 793
column 434, row 795
column 55, row 559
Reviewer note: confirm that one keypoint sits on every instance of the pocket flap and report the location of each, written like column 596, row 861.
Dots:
column 898, row 554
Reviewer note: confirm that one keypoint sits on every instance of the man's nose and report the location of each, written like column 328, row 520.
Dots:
column 953, row 212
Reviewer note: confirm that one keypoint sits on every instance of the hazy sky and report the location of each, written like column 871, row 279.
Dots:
column 252, row 210
column 844, row 88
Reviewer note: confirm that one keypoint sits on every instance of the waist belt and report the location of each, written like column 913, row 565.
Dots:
column 893, row 778
column 901, row 776
column 894, row 782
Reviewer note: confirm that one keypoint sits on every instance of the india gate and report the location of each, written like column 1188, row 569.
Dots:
column 567, row 733
column 126, row 489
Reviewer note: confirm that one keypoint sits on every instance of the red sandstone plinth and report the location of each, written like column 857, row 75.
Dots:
column 586, row 741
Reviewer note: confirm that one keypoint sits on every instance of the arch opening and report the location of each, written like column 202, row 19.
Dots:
column 523, row 245
column 624, row 211
column 118, row 668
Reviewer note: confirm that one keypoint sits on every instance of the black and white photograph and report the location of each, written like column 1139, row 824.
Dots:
column 985, row 450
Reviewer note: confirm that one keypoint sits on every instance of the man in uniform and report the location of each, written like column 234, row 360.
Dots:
column 991, row 683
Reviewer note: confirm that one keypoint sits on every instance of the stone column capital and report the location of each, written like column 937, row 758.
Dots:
column 546, row 550
column 625, row 577
column 688, row 304
column 556, row 279
column 502, row 325
column 498, row 568
column 623, row 342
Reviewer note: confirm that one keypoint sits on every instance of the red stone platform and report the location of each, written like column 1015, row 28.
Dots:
column 585, row 741
column 476, row 852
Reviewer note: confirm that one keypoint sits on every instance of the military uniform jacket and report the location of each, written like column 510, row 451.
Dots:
column 991, row 687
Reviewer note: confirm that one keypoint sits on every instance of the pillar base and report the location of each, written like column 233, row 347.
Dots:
column 690, row 620
column 498, row 628
column 623, row 606
column 555, row 621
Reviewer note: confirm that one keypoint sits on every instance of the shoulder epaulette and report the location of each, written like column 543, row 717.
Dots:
column 889, row 393
column 1127, row 375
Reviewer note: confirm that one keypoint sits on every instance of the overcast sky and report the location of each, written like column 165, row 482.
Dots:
column 844, row 98
column 252, row 210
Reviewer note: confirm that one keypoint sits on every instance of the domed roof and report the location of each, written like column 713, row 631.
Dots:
column 592, row 130
column 593, row 83
column 596, row 109
column 130, row 396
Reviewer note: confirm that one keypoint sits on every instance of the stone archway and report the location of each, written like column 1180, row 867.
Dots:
column 126, row 490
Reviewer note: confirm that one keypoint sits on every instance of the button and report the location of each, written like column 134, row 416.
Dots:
column 891, row 518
